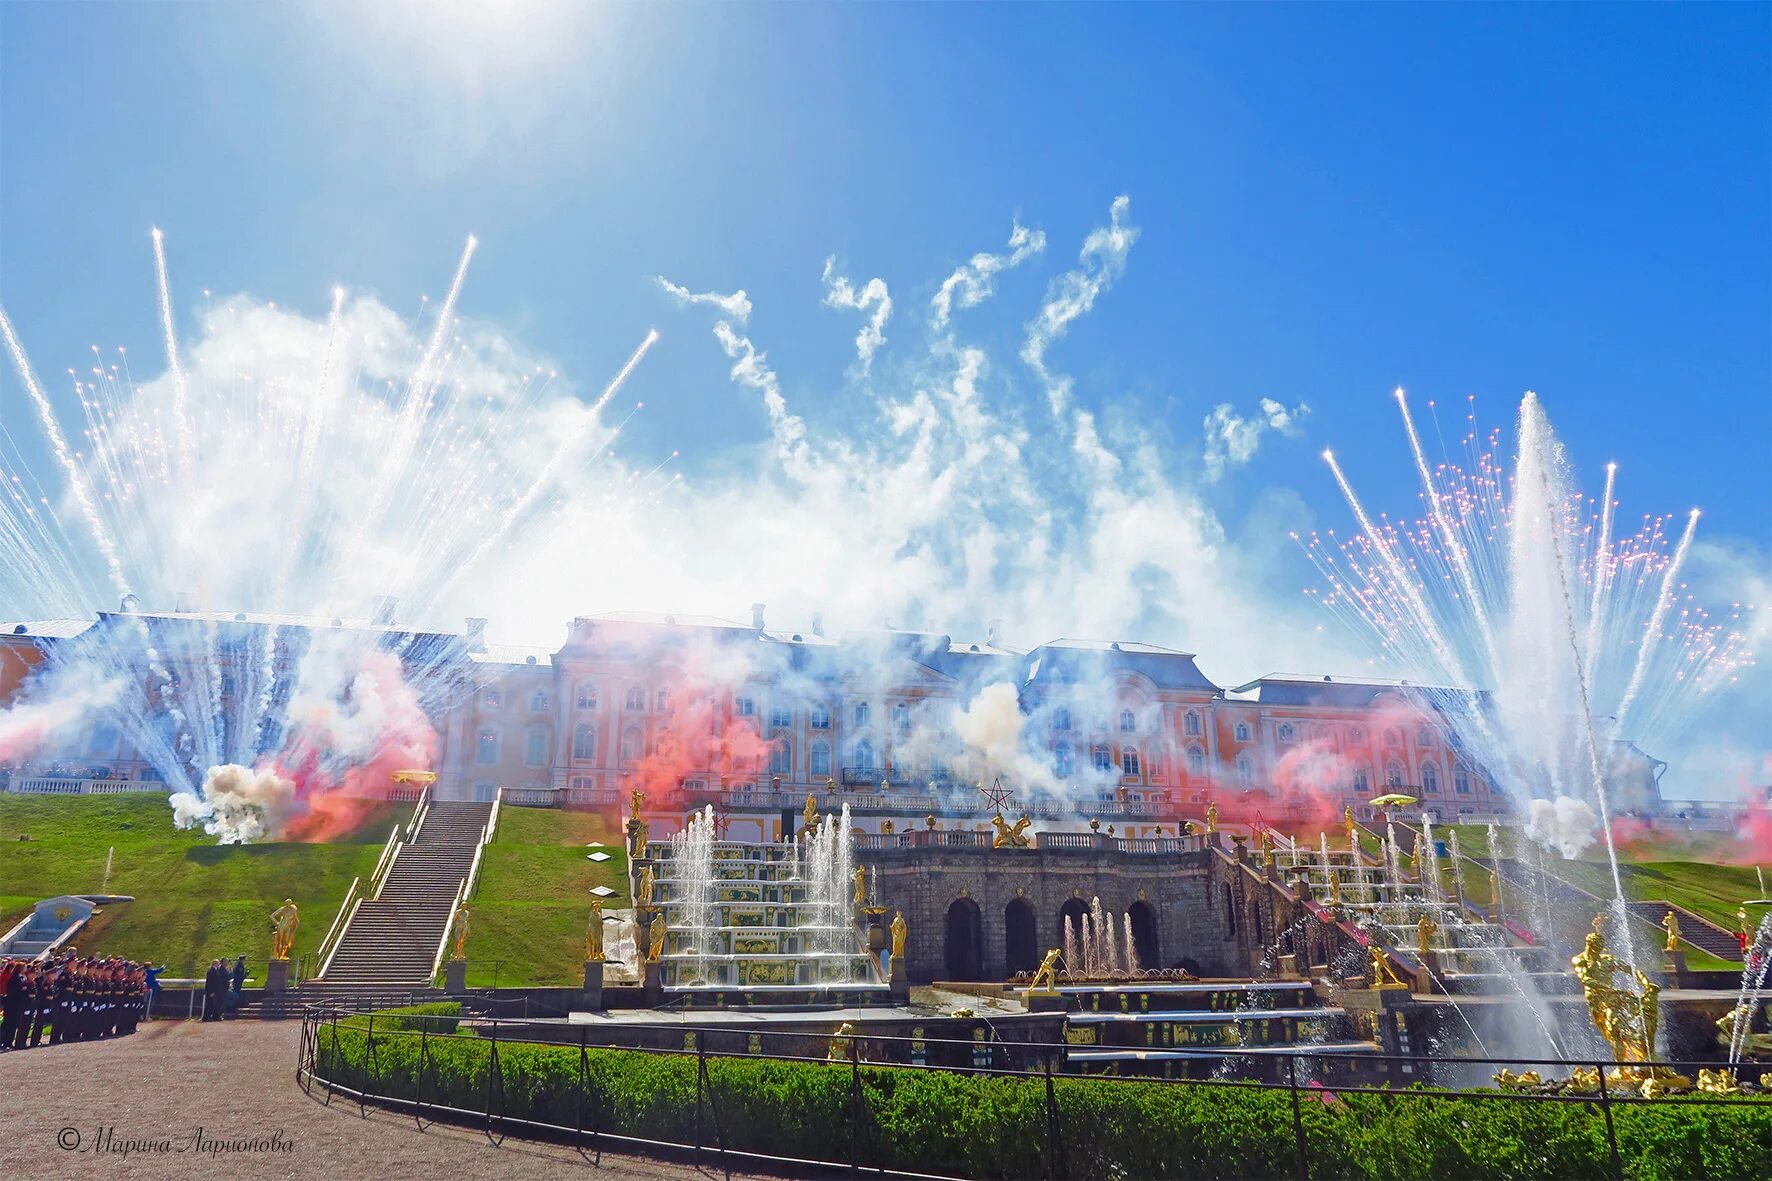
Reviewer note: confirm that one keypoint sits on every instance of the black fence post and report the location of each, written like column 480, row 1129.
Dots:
column 1304, row 1163
column 701, row 1071
column 1054, row 1139
column 493, row 1077
column 854, row 1105
column 373, row 1066
column 1611, row 1132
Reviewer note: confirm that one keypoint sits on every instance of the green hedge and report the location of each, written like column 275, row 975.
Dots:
column 441, row 1017
column 977, row 1126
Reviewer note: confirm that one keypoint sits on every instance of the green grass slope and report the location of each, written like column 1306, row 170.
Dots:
column 194, row 900
column 533, row 900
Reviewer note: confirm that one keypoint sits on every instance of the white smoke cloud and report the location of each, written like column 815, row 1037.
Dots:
column 1566, row 824
column 975, row 281
column 1072, row 294
column 840, row 293
column 990, row 729
column 237, row 805
column 1232, row 440
column 735, row 307
column 58, row 704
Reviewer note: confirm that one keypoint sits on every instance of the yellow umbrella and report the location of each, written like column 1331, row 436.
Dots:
column 1394, row 800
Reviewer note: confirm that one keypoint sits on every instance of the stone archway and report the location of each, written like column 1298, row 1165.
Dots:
column 1021, row 938
column 963, row 946
column 1144, row 934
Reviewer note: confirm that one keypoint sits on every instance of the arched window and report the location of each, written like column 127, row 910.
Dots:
column 535, row 747
column 864, row 755
column 1362, row 779
column 1461, row 780
column 1392, row 738
column 1245, row 771
column 821, row 759
column 661, row 700
column 861, row 714
column 587, row 696
column 538, row 702
column 1061, row 718
column 1287, row 732
column 1129, row 761
column 1102, row 757
column 1062, row 765
column 1196, row 761
column 820, row 718
column 486, row 746
column 1190, row 724
column 1128, row 723
column 901, row 717
column 781, row 757
column 584, row 743
column 1242, row 731
column 1393, row 774
column 636, row 698
column 630, row 744
column 1430, row 779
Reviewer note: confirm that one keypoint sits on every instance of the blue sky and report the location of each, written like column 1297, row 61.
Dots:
column 1330, row 201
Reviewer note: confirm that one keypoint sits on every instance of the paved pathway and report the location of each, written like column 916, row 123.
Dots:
column 236, row 1081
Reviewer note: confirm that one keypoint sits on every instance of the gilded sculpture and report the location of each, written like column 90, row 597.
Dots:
column 594, row 935
column 1383, row 975
column 809, row 816
column 643, row 886
column 1045, row 981
column 860, row 878
column 1670, row 922
column 1425, row 930
column 658, row 937
column 1626, row 1019
column 284, row 922
column 461, row 935
column 899, row 930
column 1212, row 817
column 1009, row 836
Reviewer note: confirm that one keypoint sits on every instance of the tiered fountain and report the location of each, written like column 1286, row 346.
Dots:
column 779, row 919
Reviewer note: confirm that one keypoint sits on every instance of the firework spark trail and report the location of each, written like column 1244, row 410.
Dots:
column 181, row 418
column 1455, row 548
column 1652, row 632
column 1600, row 577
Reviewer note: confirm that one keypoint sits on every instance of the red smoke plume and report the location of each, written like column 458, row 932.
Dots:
column 700, row 736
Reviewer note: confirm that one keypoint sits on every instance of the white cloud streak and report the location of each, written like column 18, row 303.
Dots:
column 1072, row 294
column 840, row 293
column 975, row 281
column 1232, row 440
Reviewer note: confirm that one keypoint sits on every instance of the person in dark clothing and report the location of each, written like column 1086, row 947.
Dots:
column 45, row 1006
column 62, row 1020
column 236, row 982
column 12, row 1002
column 214, row 983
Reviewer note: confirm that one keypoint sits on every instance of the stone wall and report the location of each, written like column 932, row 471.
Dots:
column 1183, row 891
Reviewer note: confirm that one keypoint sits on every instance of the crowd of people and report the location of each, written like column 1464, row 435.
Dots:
column 72, row 998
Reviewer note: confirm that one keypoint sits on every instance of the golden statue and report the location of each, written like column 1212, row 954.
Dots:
column 842, row 1039
column 1753, row 1045
column 899, row 929
column 1425, row 930
column 861, row 885
column 1189, row 828
column 1045, row 981
column 887, row 827
column 461, row 935
column 284, row 921
column 1526, row 1078
column 1212, row 817
column 1347, row 820
column 1495, row 891
column 1334, row 887
column 1264, row 844
column 1718, row 1082
column 643, row 886
column 809, row 814
column 658, row 937
column 638, row 829
column 594, row 934
column 1626, row 1019
column 1383, row 975
column 1670, row 922
column 1009, row 836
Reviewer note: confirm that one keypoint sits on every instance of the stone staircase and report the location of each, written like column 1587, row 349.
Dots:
column 390, row 943
column 1698, row 931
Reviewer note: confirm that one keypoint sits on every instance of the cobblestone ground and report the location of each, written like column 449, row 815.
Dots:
column 236, row 1081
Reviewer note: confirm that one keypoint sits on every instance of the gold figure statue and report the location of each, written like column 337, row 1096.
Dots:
column 1526, row 1078
column 1212, row 817
column 1383, row 975
column 638, row 829
column 1347, row 820
column 899, row 929
column 594, row 934
column 1756, row 1046
column 1189, row 828
column 1045, row 981
column 1495, row 891
column 1626, row 1019
column 1670, row 922
column 1718, row 1082
column 809, row 815
column 1009, row 836
column 1334, row 887
column 658, row 937
column 1425, row 930
column 284, row 921
column 461, row 935
column 643, row 886
column 886, row 827
column 842, row 1039
column 861, row 885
